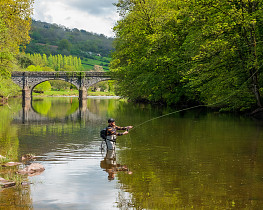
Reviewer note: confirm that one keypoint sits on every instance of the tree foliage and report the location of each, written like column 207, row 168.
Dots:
column 15, row 15
column 185, row 52
column 38, row 62
column 14, row 31
column 44, row 86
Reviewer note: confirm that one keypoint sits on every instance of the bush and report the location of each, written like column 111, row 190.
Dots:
column 44, row 86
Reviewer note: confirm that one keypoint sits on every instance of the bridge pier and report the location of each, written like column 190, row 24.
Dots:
column 26, row 93
column 83, row 105
column 82, row 93
column 26, row 101
column 27, row 106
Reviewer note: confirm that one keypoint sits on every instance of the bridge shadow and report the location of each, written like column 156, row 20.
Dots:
column 31, row 115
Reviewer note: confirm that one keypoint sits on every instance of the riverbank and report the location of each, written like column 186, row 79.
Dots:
column 15, row 173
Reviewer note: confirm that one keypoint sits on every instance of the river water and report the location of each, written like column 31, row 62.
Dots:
column 194, row 159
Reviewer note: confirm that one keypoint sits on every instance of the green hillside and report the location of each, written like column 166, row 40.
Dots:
column 52, row 39
column 55, row 39
column 90, row 63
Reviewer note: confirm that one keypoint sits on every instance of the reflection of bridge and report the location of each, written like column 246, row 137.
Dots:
column 82, row 80
column 28, row 115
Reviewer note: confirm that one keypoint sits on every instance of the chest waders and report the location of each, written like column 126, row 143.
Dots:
column 109, row 140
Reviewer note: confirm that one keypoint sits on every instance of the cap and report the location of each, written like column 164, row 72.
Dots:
column 111, row 120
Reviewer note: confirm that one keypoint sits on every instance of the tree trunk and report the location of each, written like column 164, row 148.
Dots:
column 255, row 87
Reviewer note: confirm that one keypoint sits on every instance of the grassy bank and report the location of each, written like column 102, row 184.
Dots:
column 72, row 93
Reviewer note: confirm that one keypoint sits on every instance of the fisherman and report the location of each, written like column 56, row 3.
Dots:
column 111, row 133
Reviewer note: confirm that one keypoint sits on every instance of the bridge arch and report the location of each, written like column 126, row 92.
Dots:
column 34, row 85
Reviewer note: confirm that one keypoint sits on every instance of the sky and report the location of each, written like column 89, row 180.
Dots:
column 98, row 16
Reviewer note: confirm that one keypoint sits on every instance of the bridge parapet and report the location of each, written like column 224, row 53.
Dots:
column 59, row 74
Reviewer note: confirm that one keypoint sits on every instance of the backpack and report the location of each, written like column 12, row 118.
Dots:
column 103, row 133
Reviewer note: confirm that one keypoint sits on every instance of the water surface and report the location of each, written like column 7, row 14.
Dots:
column 193, row 159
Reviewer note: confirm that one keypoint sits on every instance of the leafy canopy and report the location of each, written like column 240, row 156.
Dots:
column 190, row 52
column 14, row 31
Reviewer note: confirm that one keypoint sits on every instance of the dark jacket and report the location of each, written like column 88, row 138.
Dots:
column 113, row 130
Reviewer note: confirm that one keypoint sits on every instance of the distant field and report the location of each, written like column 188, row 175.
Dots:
column 72, row 93
column 88, row 63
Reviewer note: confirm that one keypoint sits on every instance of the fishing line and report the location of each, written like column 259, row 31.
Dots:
column 181, row 110
column 198, row 106
column 193, row 107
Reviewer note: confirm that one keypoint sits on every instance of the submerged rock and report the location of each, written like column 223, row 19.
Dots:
column 33, row 169
column 5, row 183
column 28, row 157
column 11, row 164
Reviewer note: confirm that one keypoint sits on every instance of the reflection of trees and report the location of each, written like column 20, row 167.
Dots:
column 55, row 107
column 8, row 134
column 102, row 106
column 19, row 196
column 183, row 163
column 16, row 198
column 40, row 107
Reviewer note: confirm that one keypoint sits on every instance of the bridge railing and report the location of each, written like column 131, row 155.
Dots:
column 60, row 74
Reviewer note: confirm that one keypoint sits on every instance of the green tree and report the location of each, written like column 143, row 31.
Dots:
column 45, row 61
column 34, row 68
column 60, row 85
column 24, row 60
column 148, row 41
column 185, row 52
column 50, row 61
column 64, row 45
column 14, row 31
column 228, row 54
column 44, row 86
column 5, row 55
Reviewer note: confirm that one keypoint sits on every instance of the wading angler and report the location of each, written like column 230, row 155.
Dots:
column 109, row 134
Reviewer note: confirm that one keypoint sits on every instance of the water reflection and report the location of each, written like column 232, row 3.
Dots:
column 110, row 165
column 44, row 110
column 48, row 129
column 16, row 198
column 193, row 159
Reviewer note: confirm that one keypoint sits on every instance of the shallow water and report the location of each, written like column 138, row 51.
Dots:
column 193, row 159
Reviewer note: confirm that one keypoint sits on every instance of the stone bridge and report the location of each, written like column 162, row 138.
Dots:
column 82, row 80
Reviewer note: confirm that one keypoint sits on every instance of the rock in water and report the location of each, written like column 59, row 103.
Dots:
column 32, row 169
column 11, row 164
column 28, row 157
column 5, row 183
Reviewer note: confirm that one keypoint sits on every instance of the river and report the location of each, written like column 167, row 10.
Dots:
column 187, row 160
